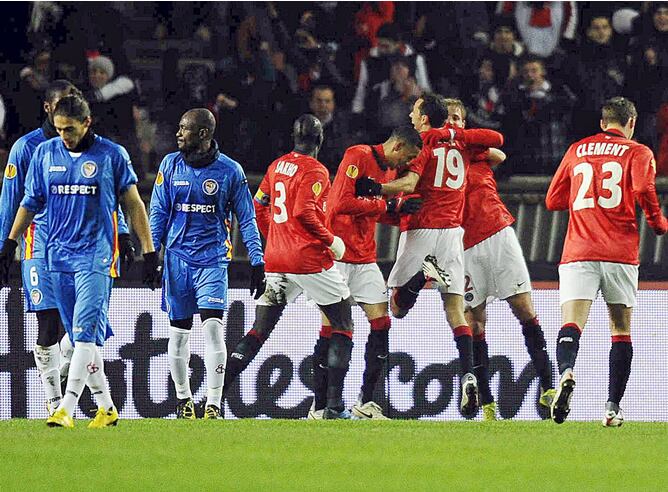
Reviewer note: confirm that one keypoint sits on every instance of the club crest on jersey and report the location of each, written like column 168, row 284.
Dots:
column 36, row 296
column 159, row 179
column 210, row 186
column 352, row 171
column 88, row 169
column 317, row 188
column 10, row 171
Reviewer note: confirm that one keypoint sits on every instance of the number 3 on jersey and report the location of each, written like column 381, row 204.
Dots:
column 279, row 203
column 610, row 184
column 454, row 162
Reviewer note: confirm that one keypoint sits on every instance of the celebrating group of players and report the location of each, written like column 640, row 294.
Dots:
column 434, row 179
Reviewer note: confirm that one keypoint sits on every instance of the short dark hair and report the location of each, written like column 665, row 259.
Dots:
column 323, row 87
column 407, row 134
column 618, row 110
column 60, row 87
column 389, row 31
column 72, row 106
column 435, row 108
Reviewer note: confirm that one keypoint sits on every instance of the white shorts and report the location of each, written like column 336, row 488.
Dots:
column 445, row 244
column 365, row 281
column 324, row 288
column 495, row 269
column 618, row 282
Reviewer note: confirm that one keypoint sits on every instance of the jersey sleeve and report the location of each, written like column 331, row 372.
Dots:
column 160, row 209
column 262, row 202
column 643, row 176
column 349, row 171
column 558, row 194
column 124, row 174
column 13, row 187
column 479, row 137
column 242, row 203
column 311, row 187
column 34, row 198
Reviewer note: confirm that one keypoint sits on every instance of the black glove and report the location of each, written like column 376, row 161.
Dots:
column 152, row 270
column 258, row 282
column 126, row 251
column 403, row 205
column 6, row 258
column 366, row 186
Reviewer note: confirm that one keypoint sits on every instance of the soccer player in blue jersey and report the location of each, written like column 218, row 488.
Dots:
column 79, row 178
column 196, row 191
column 37, row 284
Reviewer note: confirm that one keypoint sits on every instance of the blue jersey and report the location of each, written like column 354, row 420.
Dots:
column 81, row 196
column 191, row 211
column 13, row 186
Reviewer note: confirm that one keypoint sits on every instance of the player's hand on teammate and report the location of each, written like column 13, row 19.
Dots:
column 404, row 205
column 6, row 258
column 152, row 270
column 366, row 186
column 660, row 227
column 433, row 136
column 258, row 281
column 126, row 251
column 338, row 248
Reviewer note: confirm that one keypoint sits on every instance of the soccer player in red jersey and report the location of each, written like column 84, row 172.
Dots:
column 354, row 219
column 299, row 257
column 495, row 268
column 599, row 181
column 431, row 242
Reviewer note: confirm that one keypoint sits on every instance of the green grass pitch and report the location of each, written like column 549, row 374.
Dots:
column 271, row 455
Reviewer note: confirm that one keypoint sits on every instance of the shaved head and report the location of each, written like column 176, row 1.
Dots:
column 201, row 118
column 195, row 130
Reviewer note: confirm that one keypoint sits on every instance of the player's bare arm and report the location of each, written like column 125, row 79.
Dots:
column 21, row 222
column 137, row 212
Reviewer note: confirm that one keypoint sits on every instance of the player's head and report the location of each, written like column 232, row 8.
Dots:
column 429, row 111
column 402, row 146
column 307, row 134
column 71, row 118
column 195, row 132
column 620, row 113
column 54, row 92
column 456, row 112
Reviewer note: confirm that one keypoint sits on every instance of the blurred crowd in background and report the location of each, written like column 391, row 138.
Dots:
column 536, row 71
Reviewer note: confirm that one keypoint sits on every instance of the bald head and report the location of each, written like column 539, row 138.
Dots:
column 195, row 130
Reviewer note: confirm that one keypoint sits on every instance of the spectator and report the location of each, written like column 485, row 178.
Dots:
column 368, row 20
column 34, row 80
column 662, row 130
column 376, row 69
column 597, row 70
column 395, row 106
column 485, row 106
column 538, row 115
column 338, row 135
column 504, row 52
column 112, row 100
column 648, row 73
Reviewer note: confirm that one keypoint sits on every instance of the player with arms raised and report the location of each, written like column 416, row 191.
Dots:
column 599, row 181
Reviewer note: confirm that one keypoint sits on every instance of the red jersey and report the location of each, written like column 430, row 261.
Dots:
column 290, row 208
column 599, row 180
column 354, row 218
column 442, row 169
column 484, row 212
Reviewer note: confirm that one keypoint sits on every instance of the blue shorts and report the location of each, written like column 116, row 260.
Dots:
column 186, row 289
column 83, row 302
column 38, row 285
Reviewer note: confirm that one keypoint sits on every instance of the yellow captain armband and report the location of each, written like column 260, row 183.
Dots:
column 262, row 198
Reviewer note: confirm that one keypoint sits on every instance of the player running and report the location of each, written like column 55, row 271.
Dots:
column 599, row 181
column 78, row 178
column 290, row 208
column 354, row 219
column 37, row 283
column 430, row 246
column 196, row 191
column 495, row 268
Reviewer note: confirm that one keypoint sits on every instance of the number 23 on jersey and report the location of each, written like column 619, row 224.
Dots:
column 612, row 176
